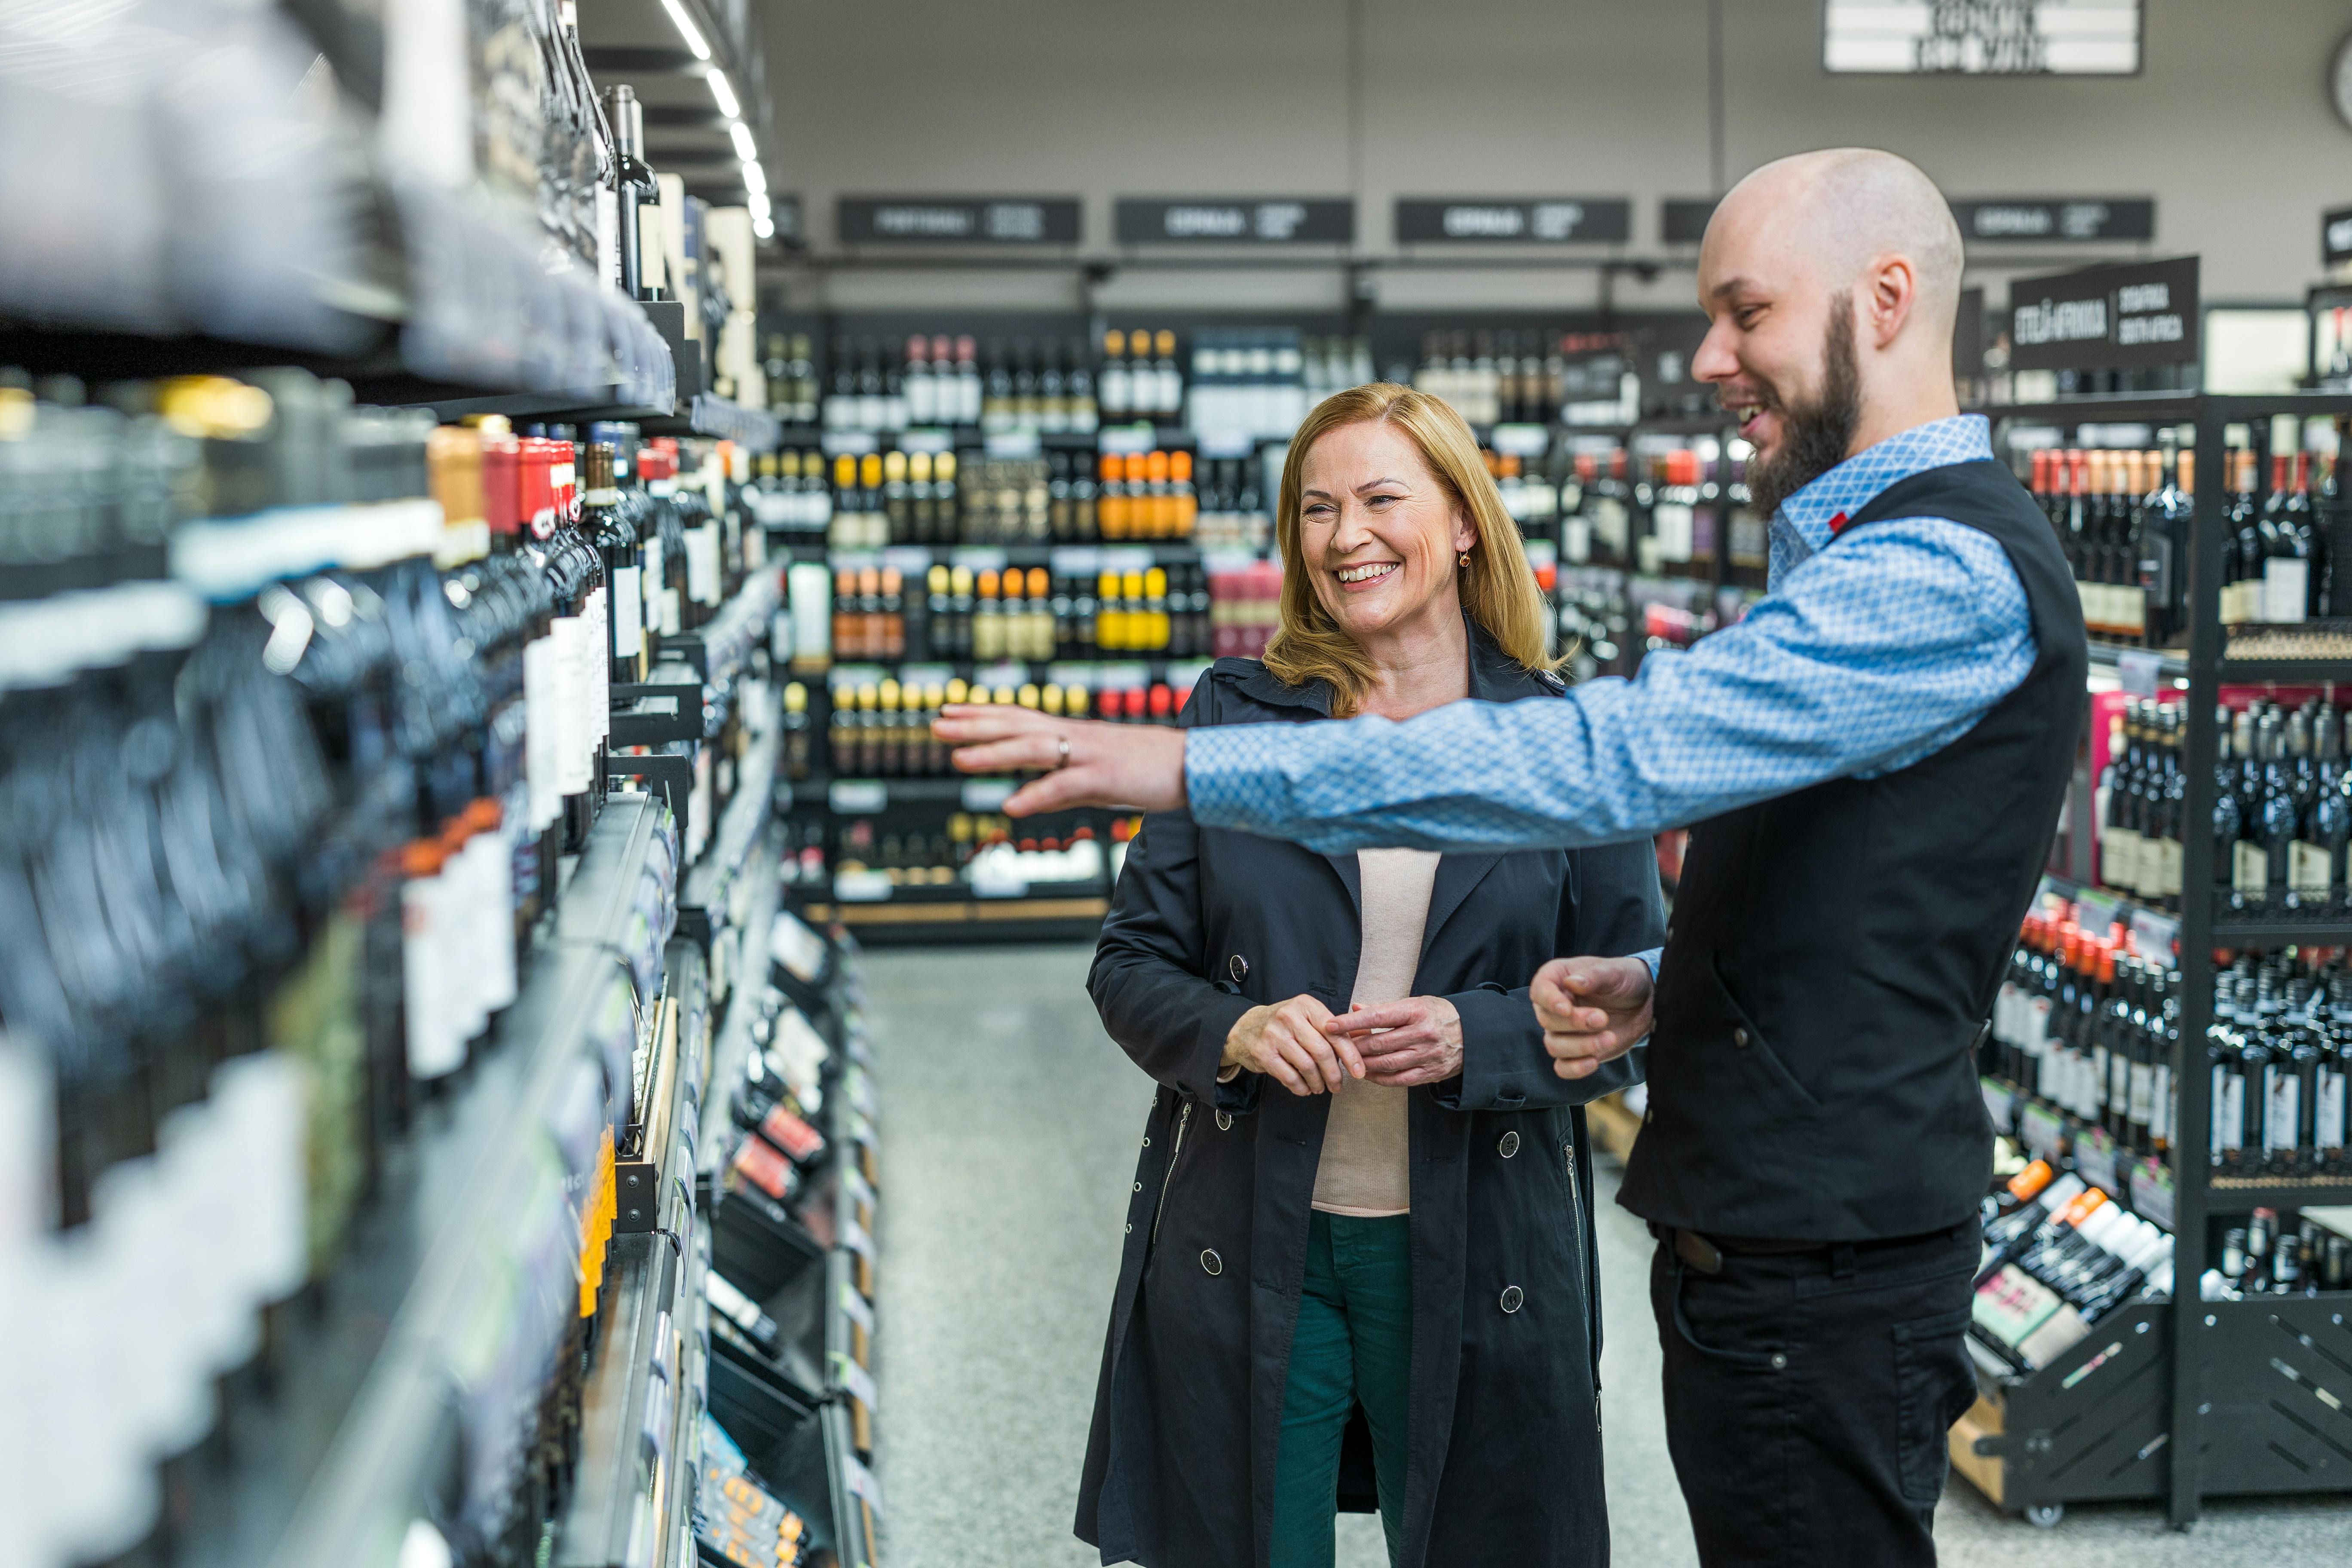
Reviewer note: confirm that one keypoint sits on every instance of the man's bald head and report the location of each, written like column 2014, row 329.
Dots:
column 1845, row 208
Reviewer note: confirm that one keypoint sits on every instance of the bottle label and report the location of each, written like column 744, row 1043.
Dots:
column 2327, row 1109
column 2119, row 853
column 541, row 768
column 2250, row 869
column 2283, row 1108
column 2285, row 590
column 2159, row 1104
column 2307, row 870
column 702, row 563
column 2142, row 1084
column 596, row 670
column 573, row 740
column 2229, row 1111
column 2037, row 1027
column 628, row 613
column 434, row 1048
column 2169, row 863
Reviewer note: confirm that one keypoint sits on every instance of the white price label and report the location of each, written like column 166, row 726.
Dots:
column 854, row 796
column 986, row 794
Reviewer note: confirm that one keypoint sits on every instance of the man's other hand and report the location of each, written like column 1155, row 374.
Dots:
column 1592, row 1010
column 1136, row 767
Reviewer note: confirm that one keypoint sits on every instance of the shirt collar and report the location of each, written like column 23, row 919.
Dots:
column 1815, row 509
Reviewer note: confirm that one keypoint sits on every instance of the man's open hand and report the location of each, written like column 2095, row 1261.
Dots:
column 1140, row 767
column 1592, row 1010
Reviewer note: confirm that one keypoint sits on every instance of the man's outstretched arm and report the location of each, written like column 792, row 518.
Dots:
column 1878, row 651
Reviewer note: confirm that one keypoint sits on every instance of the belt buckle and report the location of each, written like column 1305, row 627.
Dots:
column 1697, row 1251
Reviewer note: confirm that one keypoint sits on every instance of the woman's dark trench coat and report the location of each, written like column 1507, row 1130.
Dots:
column 1505, row 1463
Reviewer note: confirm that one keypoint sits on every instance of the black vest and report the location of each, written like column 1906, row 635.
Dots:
column 1834, row 952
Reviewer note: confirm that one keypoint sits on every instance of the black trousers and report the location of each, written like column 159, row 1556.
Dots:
column 1808, row 1396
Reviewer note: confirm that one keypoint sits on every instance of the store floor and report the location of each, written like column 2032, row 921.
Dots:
column 1009, row 1131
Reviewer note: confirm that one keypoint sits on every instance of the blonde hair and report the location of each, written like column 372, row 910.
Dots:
column 1497, row 588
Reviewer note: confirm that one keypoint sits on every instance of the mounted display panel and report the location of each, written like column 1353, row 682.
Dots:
column 1981, row 37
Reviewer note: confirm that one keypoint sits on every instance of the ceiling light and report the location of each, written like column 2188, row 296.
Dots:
column 724, row 91
column 745, row 148
column 687, row 29
column 763, row 228
column 755, row 178
column 762, row 209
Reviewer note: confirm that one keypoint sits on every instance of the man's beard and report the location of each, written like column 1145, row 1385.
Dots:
column 1815, row 438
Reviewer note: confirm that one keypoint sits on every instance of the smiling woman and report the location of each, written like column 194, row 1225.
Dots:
column 1390, row 526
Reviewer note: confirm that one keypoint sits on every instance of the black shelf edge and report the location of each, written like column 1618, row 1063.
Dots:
column 730, row 1043
column 2134, row 408
column 2278, row 1192
column 2335, row 933
column 2170, row 662
column 577, row 407
column 711, row 878
column 2284, row 671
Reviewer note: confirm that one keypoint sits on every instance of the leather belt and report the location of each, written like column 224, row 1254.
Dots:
column 1705, row 1253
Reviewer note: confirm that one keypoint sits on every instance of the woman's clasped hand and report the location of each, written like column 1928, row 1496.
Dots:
column 1306, row 1047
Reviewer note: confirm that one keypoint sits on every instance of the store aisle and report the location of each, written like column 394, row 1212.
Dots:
column 1007, row 1148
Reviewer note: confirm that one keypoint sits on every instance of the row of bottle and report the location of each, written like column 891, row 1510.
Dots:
column 2122, row 518
column 2059, row 1256
column 911, row 857
column 2278, row 1051
column 989, row 615
column 2085, row 1026
column 2277, row 563
column 2262, row 1257
column 883, row 729
column 1048, row 385
column 923, row 498
column 1508, row 378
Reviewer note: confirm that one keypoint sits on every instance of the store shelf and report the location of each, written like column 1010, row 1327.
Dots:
column 1009, row 919
column 2170, row 664
column 385, row 1463
column 2275, row 1192
column 2334, row 932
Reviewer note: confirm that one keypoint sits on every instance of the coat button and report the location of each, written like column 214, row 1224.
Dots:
column 1238, row 966
column 1224, row 1121
column 1512, row 1297
column 1740, row 1038
column 1211, row 1264
column 1508, row 1146
column 1779, row 1361
column 1138, row 1186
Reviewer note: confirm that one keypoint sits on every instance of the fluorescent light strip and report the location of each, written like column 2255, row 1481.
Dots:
column 745, row 148
column 724, row 91
column 687, row 29
column 755, row 178
column 763, row 228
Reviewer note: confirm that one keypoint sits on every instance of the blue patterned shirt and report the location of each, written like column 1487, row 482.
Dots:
column 1861, row 661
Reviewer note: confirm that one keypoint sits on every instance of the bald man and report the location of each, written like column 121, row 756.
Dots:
column 1873, row 760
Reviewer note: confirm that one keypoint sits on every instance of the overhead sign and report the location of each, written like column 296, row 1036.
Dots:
column 2335, row 237
column 2106, row 318
column 1969, row 335
column 2055, row 220
column 1237, row 220
column 785, row 212
column 1981, row 37
column 1683, row 220
column 958, row 220
column 1543, row 220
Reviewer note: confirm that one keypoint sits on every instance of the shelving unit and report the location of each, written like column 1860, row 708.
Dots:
column 2253, row 1380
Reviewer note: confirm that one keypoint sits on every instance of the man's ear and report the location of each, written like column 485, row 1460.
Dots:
column 1890, row 291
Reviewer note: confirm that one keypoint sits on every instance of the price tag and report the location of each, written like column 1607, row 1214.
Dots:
column 2095, row 1159
column 859, row 1188
column 800, row 950
column 2042, row 1130
column 856, row 1307
column 854, row 443
column 926, row 439
column 861, row 1129
column 2139, row 671
column 2000, row 1104
column 1075, row 560
column 979, row 557
column 986, row 794
column 1121, row 676
column 858, row 795
column 1014, row 443
column 1125, row 558
column 912, row 559
column 926, row 674
column 1520, row 440
column 2095, row 911
column 854, row 1237
column 1125, row 439
column 1227, row 443
column 861, row 1090
column 860, row 1482
column 2151, row 1192
column 859, row 1382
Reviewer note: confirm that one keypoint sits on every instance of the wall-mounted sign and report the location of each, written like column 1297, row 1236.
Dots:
column 1969, row 335
column 1237, row 220
column 1683, row 220
column 2055, row 220
column 1545, row 220
column 958, row 220
column 2335, row 237
column 785, row 212
column 1981, row 37
column 2106, row 318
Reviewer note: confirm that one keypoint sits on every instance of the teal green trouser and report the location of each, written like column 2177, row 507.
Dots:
column 1353, row 1346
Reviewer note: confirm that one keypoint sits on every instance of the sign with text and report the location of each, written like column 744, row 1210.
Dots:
column 1543, row 220
column 958, row 220
column 2335, row 237
column 2106, row 318
column 1236, row 220
column 2055, row 220
column 1969, row 335
column 1981, row 37
column 1682, row 220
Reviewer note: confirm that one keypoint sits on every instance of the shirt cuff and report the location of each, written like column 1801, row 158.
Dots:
column 1651, row 956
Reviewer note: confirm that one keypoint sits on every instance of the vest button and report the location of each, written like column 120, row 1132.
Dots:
column 1740, row 1038
column 1508, row 1146
column 1238, row 966
column 1211, row 1264
column 1512, row 1297
column 1224, row 1121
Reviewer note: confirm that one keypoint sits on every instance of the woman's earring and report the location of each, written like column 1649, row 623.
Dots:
column 1465, row 562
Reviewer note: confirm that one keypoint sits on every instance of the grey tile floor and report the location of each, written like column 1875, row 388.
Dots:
column 1009, row 1133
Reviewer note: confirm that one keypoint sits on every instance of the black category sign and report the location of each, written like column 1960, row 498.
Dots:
column 958, row 220
column 2055, row 220
column 1969, row 335
column 1683, row 220
column 2106, row 318
column 1237, row 220
column 2335, row 237
column 1508, row 220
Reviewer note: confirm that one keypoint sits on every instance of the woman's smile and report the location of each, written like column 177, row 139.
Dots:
column 1364, row 574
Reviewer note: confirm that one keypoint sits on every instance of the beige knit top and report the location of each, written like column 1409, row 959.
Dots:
column 1364, row 1169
